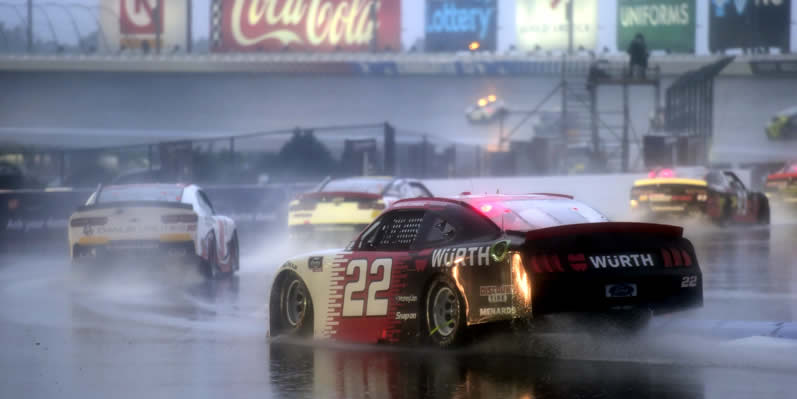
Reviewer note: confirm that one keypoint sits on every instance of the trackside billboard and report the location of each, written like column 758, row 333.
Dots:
column 666, row 24
column 305, row 25
column 749, row 24
column 137, row 24
column 543, row 23
column 453, row 25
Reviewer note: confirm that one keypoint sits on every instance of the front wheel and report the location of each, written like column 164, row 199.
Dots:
column 445, row 313
column 296, row 307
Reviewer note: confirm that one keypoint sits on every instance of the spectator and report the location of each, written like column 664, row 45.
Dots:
column 638, row 52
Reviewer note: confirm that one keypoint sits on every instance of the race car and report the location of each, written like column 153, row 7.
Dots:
column 718, row 195
column 155, row 224
column 781, row 186
column 428, row 269
column 338, row 209
column 783, row 125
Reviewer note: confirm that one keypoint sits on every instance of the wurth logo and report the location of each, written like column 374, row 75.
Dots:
column 472, row 256
column 615, row 261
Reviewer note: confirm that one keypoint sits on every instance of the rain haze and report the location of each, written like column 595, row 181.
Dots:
column 398, row 199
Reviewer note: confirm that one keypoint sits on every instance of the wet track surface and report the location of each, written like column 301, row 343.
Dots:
column 141, row 335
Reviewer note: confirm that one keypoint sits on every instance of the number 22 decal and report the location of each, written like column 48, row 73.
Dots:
column 371, row 306
column 689, row 281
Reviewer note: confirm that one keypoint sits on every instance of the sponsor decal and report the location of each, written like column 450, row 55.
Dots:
column 140, row 16
column 470, row 256
column 621, row 290
column 499, row 311
column 316, row 263
column 452, row 25
column 406, row 316
column 615, row 261
column 544, row 23
column 88, row 230
column 498, row 298
column 306, row 25
column 290, row 265
column 487, row 290
column 407, row 298
column 666, row 24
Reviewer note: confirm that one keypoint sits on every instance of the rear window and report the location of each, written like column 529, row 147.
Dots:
column 372, row 186
column 140, row 193
column 530, row 214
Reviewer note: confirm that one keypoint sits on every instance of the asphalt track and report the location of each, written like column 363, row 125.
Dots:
column 135, row 333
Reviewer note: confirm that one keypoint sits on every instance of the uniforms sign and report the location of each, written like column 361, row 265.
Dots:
column 305, row 25
column 749, row 24
column 139, row 24
column 453, row 25
column 544, row 23
column 666, row 24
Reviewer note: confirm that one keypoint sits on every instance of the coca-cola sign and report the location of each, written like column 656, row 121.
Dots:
column 305, row 25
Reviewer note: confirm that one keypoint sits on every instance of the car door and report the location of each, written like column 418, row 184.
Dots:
column 373, row 275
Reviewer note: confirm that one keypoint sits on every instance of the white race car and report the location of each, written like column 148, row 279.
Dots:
column 154, row 223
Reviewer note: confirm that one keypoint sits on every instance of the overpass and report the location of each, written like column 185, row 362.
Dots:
column 215, row 94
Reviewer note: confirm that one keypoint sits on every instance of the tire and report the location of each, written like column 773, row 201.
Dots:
column 236, row 254
column 444, row 311
column 209, row 268
column 295, row 307
column 763, row 210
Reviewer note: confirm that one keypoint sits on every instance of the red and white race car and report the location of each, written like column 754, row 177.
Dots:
column 429, row 268
column 154, row 223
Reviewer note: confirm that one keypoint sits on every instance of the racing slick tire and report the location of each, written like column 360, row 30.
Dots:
column 209, row 267
column 295, row 307
column 444, row 310
column 763, row 210
column 236, row 253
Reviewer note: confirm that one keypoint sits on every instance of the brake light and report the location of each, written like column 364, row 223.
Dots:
column 184, row 218
column 93, row 221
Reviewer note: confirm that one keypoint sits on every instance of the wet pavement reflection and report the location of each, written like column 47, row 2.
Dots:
column 128, row 335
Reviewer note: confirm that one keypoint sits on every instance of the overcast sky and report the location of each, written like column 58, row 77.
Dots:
column 412, row 21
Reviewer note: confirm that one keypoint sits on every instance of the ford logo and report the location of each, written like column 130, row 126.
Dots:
column 621, row 290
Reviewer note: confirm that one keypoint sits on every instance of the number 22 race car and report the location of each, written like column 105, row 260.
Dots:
column 429, row 268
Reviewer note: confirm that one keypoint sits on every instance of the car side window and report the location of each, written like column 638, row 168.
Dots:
column 437, row 231
column 204, row 202
column 734, row 181
column 395, row 190
column 418, row 190
column 394, row 231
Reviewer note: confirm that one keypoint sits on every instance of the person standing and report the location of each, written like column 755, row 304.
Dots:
column 638, row 53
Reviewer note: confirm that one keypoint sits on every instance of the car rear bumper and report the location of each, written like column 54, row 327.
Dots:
column 136, row 251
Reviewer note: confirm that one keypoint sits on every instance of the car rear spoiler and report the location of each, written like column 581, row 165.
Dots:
column 130, row 204
column 336, row 194
column 661, row 230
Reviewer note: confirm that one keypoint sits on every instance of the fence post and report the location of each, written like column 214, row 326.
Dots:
column 390, row 150
column 30, row 26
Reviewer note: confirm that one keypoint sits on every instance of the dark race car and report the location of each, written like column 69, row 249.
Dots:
column 781, row 186
column 427, row 269
column 718, row 195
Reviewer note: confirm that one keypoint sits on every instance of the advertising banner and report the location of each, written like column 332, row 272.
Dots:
column 544, row 23
column 665, row 24
column 453, row 25
column 749, row 24
column 305, row 25
column 138, row 24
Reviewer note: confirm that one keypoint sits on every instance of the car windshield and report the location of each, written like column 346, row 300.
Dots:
column 372, row 186
column 529, row 214
column 140, row 193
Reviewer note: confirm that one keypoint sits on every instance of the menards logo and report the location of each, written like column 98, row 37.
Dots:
column 578, row 262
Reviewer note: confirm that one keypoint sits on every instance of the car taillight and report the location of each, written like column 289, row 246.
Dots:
column 371, row 205
column 94, row 221
column 186, row 218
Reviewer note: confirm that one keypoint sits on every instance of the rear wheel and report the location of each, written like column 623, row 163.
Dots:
column 209, row 267
column 445, row 313
column 763, row 210
column 296, row 307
